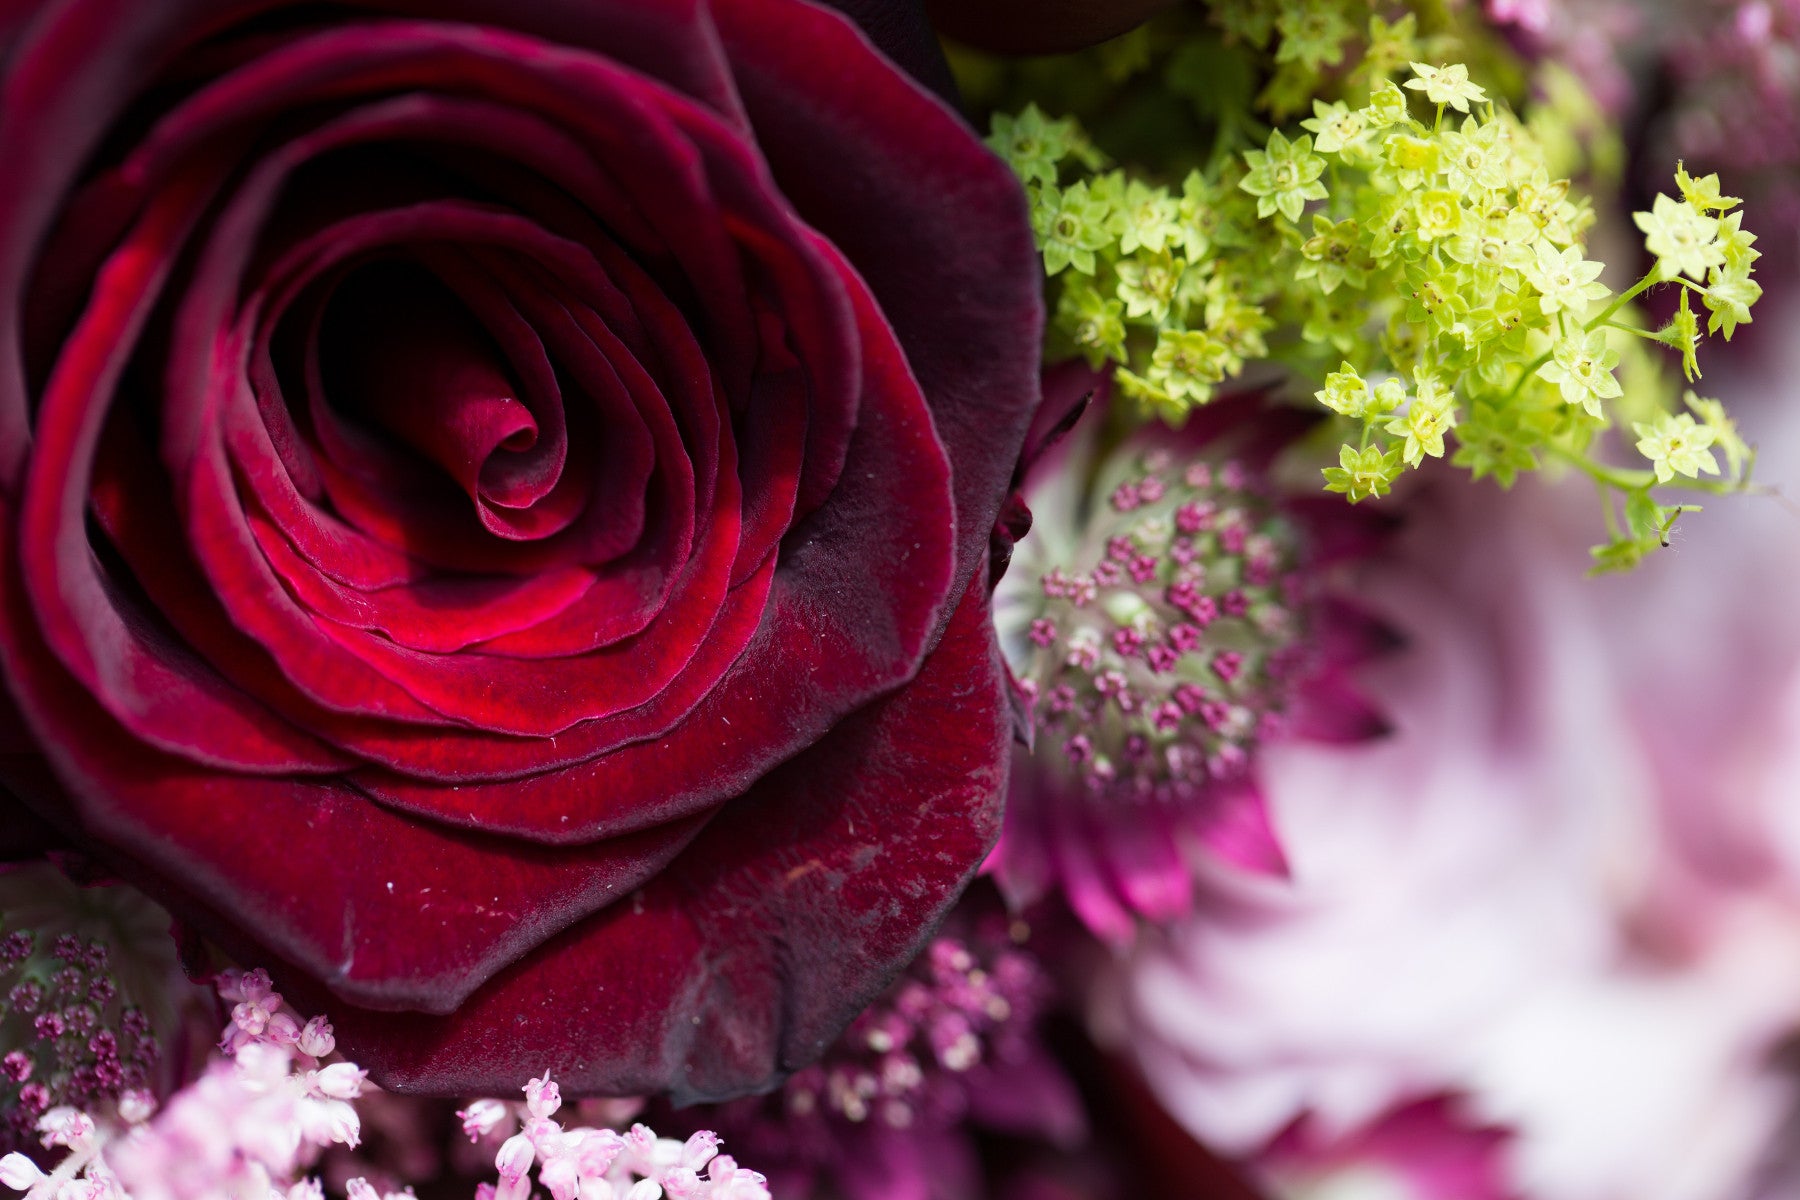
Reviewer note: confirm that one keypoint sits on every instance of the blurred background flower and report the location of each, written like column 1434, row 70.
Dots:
column 1565, row 890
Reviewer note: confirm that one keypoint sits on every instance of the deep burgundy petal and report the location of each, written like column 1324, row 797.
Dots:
column 901, row 30
column 851, row 607
column 932, row 220
column 385, row 909
column 24, row 836
column 744, row 958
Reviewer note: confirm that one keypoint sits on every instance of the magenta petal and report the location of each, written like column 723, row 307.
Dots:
column 1234, row 825
column 1339, row 532
column 1020, row 863
column 908, row 1164
column 1070, row 387
column 1349, row 635
column 1146, row 865
column 1086, row 884
column 1330, row 708
column 1032, row 1097
column 1432, row 1144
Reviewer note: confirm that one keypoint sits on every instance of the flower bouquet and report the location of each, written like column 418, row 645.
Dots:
column 1037, row 600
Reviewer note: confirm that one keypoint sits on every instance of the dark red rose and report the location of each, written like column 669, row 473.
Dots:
column 495, row 499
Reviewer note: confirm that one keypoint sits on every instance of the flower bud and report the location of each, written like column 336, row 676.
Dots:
column 340, row 1081
column 136, row 1106
column 65, row 1126
column 515, row 1157
column 542, row 1096
column 316, row 1039
column 479, row 1119
column 699, row 1149
column 19, row 1173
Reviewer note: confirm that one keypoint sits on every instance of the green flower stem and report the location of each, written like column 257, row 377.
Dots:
column 1627, row 480
column 1637, row 289
column 1531, row 369
column 1619, row 478
column 1607, row 510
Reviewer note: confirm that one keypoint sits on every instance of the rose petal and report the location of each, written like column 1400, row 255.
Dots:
column 856, row 596
column 230, row 842
column 686, row 710
column 935, row 226
column 768, row 933
column 149, row 683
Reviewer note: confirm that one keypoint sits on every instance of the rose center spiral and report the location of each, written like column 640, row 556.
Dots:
column 401, row 355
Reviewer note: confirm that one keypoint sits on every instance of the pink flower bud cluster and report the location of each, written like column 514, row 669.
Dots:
column 579, row 1163
column 1163, row 654
column 72, row 1041
column 244, row 1130
column 82, row 1175
column 907, row 1060
column 260, row 1115
column 949, row 1047
column 257, row 1017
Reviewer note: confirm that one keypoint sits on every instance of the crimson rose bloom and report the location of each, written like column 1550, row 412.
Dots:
column 495, row 500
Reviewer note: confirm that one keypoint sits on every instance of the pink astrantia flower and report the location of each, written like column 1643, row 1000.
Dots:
column 1594, row 39
column 1734, row 108
column 1533, row 15
column 244, row 1130
column 1169, row 619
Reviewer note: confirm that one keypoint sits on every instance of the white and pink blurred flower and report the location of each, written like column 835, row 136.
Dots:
column 1567, row 888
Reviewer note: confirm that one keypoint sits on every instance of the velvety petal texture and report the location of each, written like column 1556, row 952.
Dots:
column 494, row 507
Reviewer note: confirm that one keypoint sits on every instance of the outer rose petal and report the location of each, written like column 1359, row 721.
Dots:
column 950, row 259
column 774, row 928
column 902, row 31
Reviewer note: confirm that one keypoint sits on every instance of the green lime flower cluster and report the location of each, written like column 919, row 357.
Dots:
column 1311, row 43
column 1414, row 262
